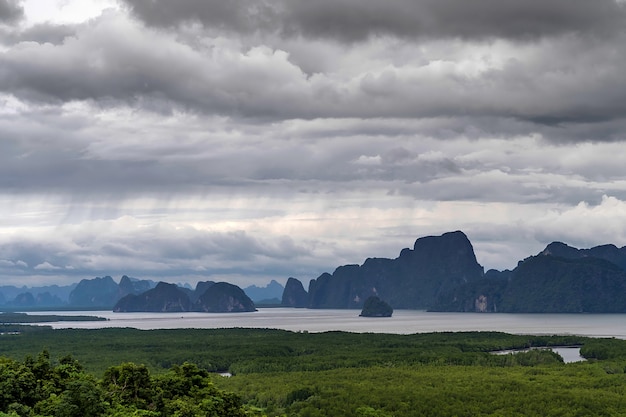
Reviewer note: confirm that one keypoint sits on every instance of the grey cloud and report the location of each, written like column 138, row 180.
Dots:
column 355, row 20
column 10, row 11
column 238, row 15
column 148, row 251
column 40, row 33
column 410, row 159
column 112, row 62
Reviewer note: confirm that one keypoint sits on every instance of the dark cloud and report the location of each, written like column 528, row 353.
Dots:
column 566, row 81
column 10, row 11
column 41, row 33
column 272, row 139
column 356, row 20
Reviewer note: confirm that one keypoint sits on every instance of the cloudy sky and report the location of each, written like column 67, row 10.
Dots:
column 250, row 140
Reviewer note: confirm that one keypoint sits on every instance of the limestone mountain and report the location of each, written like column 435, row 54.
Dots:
column 548, row 284
column 98, row 292
column 294, row 294
column 45, row 296
column 129, row 285
column 218, row 297
column 25, row 299
column 223, row 297
column 271, row 291
column 560, row 279
column 201, row 288
column 162, row 298
column 608, row 252
column 414, row 280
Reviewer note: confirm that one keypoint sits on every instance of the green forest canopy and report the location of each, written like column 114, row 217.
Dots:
column 278, row 372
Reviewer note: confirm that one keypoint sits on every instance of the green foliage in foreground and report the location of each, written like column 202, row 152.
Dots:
column 281, row 373
column 34, row 388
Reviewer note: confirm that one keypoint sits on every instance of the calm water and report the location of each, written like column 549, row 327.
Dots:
column 569, row 354
column 402, row 322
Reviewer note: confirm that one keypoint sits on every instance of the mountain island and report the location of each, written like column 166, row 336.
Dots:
column 440, row 273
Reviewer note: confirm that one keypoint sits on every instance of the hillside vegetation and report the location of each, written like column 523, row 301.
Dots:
column 278, row 373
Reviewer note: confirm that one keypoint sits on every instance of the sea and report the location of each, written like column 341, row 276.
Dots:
column 402, row 321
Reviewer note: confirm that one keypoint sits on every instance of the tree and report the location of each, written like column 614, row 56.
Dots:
column 128, row 384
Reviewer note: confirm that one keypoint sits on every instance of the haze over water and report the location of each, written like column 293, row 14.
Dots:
column 402, row 322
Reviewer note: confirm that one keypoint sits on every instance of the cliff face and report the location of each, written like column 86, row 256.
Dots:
column 560, row 279
column 294, row 294
column 414, row 280
column 480, row 296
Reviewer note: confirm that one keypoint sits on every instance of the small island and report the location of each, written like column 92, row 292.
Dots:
column 375, row 307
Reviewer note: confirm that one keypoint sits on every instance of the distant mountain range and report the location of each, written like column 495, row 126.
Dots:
column 440, row 273
column 104, row 293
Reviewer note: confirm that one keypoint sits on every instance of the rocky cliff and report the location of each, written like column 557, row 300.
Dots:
column 294, row 294
column 560, row 279
column 414, row 280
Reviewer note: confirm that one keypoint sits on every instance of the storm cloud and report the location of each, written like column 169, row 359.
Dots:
column 10, row 11
column 114, row 60
column 358, row 20
column 256, row 140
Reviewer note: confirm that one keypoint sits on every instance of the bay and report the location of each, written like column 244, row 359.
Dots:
column 402, row 321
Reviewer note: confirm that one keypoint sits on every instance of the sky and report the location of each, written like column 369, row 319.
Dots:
column 252, row 140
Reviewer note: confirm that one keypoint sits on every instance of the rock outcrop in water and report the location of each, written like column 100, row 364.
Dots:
column 223, row 297
column 218, row 297
column 375, row 307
